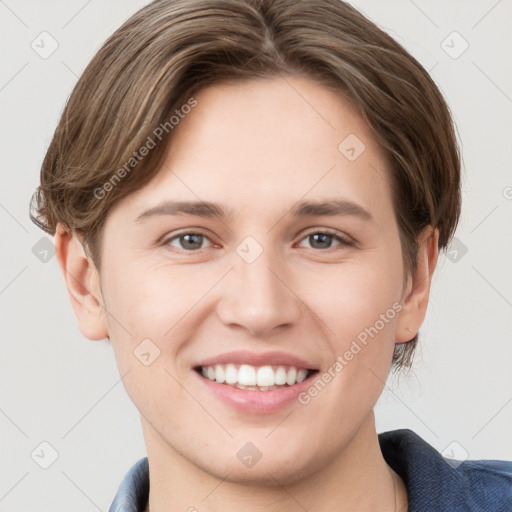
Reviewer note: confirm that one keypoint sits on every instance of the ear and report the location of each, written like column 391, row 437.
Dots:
column 83, row 283
column 417, row 290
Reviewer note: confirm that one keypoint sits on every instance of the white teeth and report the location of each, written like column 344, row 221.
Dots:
column 220, row 374
column 262, row 378
column 291, row 376
column 301, row 375
column 265, row 376
column 231, row 374
column 280, row 376
column 247, row 375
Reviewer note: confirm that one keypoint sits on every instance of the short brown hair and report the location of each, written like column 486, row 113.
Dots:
column 153, row 64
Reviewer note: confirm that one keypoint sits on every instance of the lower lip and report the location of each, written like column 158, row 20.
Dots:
column 256, row 402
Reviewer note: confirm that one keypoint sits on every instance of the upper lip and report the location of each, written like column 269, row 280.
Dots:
column 258, row 359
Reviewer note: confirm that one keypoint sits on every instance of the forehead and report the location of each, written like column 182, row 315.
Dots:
column 271, row 141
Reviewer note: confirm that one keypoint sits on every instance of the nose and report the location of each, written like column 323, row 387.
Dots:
column 259, row 296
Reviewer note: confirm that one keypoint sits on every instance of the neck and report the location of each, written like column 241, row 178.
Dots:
column 357, row 478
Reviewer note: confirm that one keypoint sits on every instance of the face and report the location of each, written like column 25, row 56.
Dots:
column 290, row 280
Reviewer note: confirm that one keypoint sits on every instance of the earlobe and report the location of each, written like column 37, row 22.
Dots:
column 82, row 282
column 417, row 291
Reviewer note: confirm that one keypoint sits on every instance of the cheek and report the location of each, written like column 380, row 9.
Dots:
column 154, row 303
column 356, row 296
column 136, row 297
column 147, row 316
column 360, row 306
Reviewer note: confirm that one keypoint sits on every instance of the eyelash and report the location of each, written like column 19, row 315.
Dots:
column 342, row 239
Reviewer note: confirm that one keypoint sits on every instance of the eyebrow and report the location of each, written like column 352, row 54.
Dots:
column 332, row 207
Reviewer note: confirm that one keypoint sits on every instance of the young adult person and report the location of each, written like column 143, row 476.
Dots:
column 248, row 199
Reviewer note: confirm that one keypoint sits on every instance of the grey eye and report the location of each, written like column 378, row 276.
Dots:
column 188, row 241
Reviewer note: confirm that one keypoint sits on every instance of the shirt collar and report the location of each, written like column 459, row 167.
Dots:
column 431, row 482
column 133, row 493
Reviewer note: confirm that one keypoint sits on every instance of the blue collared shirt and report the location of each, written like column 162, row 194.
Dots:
column 434, row 484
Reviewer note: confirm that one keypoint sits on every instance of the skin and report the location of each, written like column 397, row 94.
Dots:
column 257, row 148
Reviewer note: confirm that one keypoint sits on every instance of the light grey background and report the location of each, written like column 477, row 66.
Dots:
column 56, row 386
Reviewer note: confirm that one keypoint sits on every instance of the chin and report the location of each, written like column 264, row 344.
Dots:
column 274, row 468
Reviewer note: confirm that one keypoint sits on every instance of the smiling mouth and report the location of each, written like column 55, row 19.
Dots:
column 255, row 378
